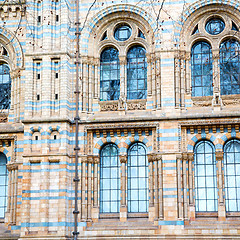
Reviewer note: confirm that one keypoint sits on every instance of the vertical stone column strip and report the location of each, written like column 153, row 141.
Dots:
column 149, row 75
column 153, row 68
column 179, row 186
column 123, row 83
column 95, row 182
column 123, row 161
column 84, row 189
column 90, row 89
column 177, row 80
column 84, row 88
column 188, row 72
column 156, row 201
column 190, row 177
column 160, row 182
column 9, row 191
column 11, row 196
column 185, row 200
column 15, row 197
column 182, row 95
column 219, row 159
column 158, row 81
column 96, row 80
column 151, row 194
column 216, row 71
column 89, row 187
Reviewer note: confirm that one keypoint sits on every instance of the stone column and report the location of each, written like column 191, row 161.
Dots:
column 216, row 79
column 149, row 75
column 123, row 82
column 151, row 209
column 185, row 199
column 85, row 82
column 160, row 182
column 190, row 186
column 221, row 203
column 90, row 84
column 156, row 197
column 158, row 81
column 123, row 207
column 89, row 188
column 179, row 186
column 96, row 77
column 183, row 79
column 153, row 68
column 177, row 81
column 188, row 72
column 95, row 209
column 84, row 188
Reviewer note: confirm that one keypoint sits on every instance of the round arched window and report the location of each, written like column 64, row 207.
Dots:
column 215, row 26
column 122, row 32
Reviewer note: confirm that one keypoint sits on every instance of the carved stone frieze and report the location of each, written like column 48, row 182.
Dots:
column 3, row 119
column 136, row 105
column 202, row 103
column 228, row 102
column 109, row 106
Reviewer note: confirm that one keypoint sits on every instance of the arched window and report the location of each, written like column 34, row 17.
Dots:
column 137, row 178
column 232, row 175
column 5, row 86
column 205, row 177
column 201, row 61
column 109, row 75
column 109, row 180
column 136, row 73
column 230, row 67
column 3, row 185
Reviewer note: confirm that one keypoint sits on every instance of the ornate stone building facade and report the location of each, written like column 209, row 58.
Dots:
column 159, row 131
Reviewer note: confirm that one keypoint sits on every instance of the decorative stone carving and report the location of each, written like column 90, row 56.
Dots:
column 136, row 105
column 123, row 158
column 3, row 119
column 109, row 106
column 202, row 103
column 227, row 102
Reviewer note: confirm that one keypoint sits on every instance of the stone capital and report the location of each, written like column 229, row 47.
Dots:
column 219, row 156
column 123, row 158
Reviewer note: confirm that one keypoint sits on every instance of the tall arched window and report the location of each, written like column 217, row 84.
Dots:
column 136, row 73
column 230, row 67
column 3, row 185
column 201, row 61
column 232, row 175
column 5, row 86
column 109, row 179
column 109, row 75
column 137, row 178
column 205, row 177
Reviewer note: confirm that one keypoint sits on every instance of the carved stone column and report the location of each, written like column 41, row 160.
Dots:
column 123, row 207
column 185, row 199
column 221, row 204
column 160, row 187
column 84, row 83
column 151, row 210
column 156, row 203
column 191, row 208
column 183, row 79
column 96, row 77
column 84, row 188
column 153, row 67
column 89, row 187
column 179, row 186
column 188, row 72
column 158, row 82
column 95, row 209
column 123, row 82
column 177, row 80
column 90, row 84
column 149, row 75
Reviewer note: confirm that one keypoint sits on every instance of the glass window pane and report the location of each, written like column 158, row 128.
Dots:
column 136, row 73
column 232, row 175
column 5, row 86
column 201, row 62
column 205, row 177
column 137, row 178
column 109, row 179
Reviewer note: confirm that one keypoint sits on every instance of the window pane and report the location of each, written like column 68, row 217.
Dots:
column 201, row 62
column 137, row 178
column 5, row 86
column 205, row 177
column 109, row 179
column 136, row 73
column 109, row 75
column 230, row 67
column 3, row 184
column 232, row 175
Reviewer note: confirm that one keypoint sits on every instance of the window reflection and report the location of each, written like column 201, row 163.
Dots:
column 230, row 67
column 5, row 86
column 136, row 73
column 137, row 178
column 215, row 26
column 3, row 185
column 109, row 180
column 232, row 175
column 109, row 75
column 205, row 177
column 201, row 60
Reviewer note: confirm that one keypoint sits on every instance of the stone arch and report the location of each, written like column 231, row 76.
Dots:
column 203, row 136
column 228, row 136
column 192, row 9
column 131, row 140
column 6, row 153
column 102, row 142
column 13, row 46
column 89, row 32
